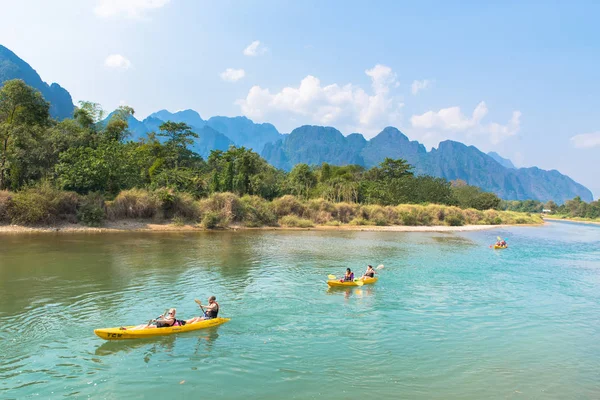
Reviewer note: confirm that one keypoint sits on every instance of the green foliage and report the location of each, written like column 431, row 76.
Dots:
column 42, row 204
column 294, row 221
column 211, row 220
column 258, row 212
column 91, row 211
column 134, row 203
column 473, row 197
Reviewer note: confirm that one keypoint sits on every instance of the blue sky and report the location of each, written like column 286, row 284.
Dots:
column 517, row 77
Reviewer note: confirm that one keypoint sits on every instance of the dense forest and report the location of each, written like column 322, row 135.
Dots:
column 89, row 170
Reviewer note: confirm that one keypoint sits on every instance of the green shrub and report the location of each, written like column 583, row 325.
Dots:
column 288, row 205
column 91, row 211
column 258, row 212
column 333, row 223
column 455, row 220
column 211, row 220
column 408, row 218
column 359, row 221
column 294, row 221
column 227, row 205
column 43, row 204
column 134, row 203
column 345, row 212
column 521, row 220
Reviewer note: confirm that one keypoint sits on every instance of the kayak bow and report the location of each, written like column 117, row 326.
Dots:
column 120, row 334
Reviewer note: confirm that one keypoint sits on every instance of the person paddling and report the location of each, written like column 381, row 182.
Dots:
column 348, row 277
column 211, row 311
column 369, row 273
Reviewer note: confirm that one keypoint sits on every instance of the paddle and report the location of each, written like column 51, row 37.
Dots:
column 332, row 277
column 380, row 266
column 200, row 304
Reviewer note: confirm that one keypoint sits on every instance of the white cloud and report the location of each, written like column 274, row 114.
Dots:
column 127, row 8
column 348, row 107
column 255, row 49
column 117, row 61
column 586, row 140
column 232, row 75
column 453, row 120
column 417, row 86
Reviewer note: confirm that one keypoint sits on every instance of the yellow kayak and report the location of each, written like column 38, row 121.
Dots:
column 337, row 283
column 500, row 247
column 120, row 334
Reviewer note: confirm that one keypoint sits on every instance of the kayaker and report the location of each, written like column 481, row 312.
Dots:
column 164, row 321
column 369, row 273
column 211, row 311
column 348, row 277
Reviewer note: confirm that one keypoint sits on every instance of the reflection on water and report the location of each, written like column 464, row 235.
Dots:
column 449, row 318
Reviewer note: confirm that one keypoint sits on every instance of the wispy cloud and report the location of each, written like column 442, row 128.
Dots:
column 117, row 61
column 586, row 140
column 417, row 86
column 255, row 49
column 348, row 107
column 232, row 75
column 127, row 8
column 452, row 119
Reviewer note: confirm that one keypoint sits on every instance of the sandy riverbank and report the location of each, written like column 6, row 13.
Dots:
column 151, row 226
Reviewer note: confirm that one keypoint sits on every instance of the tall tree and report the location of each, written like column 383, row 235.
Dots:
column 21, row 107
column 179, row 135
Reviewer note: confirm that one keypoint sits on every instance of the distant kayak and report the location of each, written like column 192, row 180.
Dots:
column 121, row 334
column 500, row 247
column 337, row 283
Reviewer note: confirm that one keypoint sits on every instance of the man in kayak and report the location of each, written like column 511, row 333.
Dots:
column 369, row 273
column 164, row 321
column 348, row 277
column 211, row 311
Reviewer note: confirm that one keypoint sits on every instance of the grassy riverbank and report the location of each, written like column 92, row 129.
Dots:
column 45, row 208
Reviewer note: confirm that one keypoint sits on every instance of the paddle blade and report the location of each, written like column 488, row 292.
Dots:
column 331, row 277
column 380, row 266
column 499, row 238
column 359, row 283
column 198, row 301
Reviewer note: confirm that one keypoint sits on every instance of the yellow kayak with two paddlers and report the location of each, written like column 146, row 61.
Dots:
column 358, row 282
column 122, row 334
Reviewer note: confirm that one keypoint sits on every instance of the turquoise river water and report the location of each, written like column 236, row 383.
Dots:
column 450, row 318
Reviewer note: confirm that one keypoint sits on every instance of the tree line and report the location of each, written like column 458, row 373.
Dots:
column 89, row 154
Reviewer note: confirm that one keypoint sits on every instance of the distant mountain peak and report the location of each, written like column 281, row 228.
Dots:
column 505, row 162
column 13, row 67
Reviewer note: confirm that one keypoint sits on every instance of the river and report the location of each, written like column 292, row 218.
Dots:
column 450, row 318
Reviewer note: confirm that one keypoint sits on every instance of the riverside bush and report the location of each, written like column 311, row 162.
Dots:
column 258, row 212
column 43, row 204
column 294, row 221
column 91, row 211
column 211, row 220
column 288, row 205
column 227, row 205
column 134, row 203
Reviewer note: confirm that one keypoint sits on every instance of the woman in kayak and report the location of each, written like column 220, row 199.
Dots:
column 164, row 321
column 369, row 273
column 349, row 277
column 212, row 311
